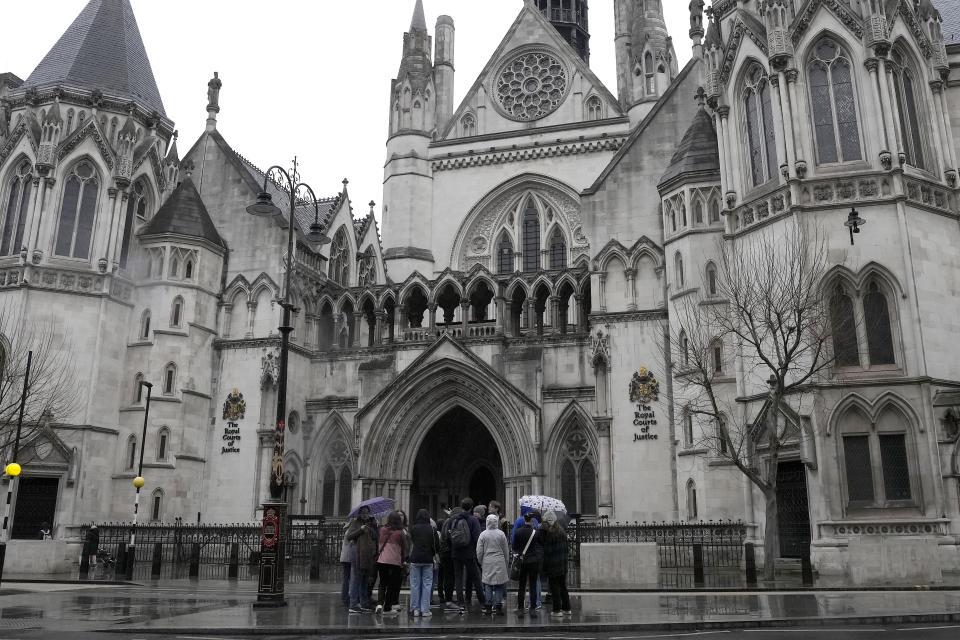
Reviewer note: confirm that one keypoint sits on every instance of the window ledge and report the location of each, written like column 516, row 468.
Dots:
column 693, row 452
column 860, row 373
column 709, row 300
column 720, row 462
column 684, row 292
column 175, row 331
column 141, row 343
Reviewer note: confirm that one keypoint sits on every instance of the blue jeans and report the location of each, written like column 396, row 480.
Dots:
column 495, row 594
column 421, row 586
column 359, row 587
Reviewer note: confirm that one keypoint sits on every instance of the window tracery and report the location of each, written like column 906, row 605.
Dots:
column 558, row 250
column 531, row 85
column 339, row 264
column 594, row 108
column 136, row 210
column 911, row 123
column 531, row 237
column 578, row 477
column 833, row 105
column 468, row 126
column 862, row 327
column 18, row 203
column 77, row 212
column 877, row 456
column 761, row 140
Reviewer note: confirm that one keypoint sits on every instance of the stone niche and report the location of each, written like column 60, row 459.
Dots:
column 620, row 565
column 899, row 561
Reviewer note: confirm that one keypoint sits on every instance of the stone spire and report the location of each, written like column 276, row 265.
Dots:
column 102, row 50
column 413, row 94
column 646, row 61
column 419, row 21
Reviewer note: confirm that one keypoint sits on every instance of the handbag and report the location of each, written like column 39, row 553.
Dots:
column 518, row 560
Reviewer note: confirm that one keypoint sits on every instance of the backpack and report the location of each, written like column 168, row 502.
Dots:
column 460, row 534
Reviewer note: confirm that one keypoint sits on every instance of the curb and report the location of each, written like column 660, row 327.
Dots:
column 750, row 623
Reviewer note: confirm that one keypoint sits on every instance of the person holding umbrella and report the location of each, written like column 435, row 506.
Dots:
column 363, row 532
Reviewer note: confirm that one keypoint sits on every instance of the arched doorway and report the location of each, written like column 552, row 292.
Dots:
column 457, row 458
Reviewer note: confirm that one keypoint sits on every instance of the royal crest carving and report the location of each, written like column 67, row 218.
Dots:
column 644, row 387
column 234, row 407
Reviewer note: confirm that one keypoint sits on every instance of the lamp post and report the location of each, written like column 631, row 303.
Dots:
column 270, row 588
column 13, row 469
column 138, row 482
column 854, row 222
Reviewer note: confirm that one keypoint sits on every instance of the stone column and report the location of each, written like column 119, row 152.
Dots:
column 401, row 322
column 337, row 322
column 800, row 118
column 507, row 323
column 381, row 316
column 501, row 306
column 948, row 132
column 887, row 81
column 465, row 316
column 603, row 291
column 789, row 141
column 780, row 138
column 733, row 172
column 579, row 314
column 532, row 316
column 227, row 320
column 251, row 312
column 357, row 324
column 632, row 285
column 554, row 315
column 605, row 462
column 432, row 309
column 722, row 148
column 936, row 86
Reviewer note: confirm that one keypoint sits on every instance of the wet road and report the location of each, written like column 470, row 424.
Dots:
column 908, row 632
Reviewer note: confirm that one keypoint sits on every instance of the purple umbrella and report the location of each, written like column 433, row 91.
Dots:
column 379, row 507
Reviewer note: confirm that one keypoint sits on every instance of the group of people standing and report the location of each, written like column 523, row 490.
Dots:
column 457, row 555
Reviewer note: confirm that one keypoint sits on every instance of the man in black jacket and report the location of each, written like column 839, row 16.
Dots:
column 465, row 556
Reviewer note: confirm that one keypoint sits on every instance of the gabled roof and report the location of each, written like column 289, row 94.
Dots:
column 184, row 214
column 698, row 153
column 102, row 49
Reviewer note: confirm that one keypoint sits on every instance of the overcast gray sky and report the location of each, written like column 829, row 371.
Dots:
column 304, row 77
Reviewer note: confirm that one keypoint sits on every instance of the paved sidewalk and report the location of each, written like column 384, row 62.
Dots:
column 227, row 609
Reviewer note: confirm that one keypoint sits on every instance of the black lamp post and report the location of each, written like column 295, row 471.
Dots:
column 854, row 222
column 138, row 482
column 270, row 589
column 13, row 469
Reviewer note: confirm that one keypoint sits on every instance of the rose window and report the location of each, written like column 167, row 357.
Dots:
column 531, row 86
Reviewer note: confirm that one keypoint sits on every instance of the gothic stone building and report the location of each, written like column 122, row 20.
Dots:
column 537, row 236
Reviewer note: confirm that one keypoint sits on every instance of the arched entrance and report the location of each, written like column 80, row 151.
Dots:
column 457, row 458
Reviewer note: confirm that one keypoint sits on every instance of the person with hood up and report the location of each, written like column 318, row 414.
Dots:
column 424, row 546
column 531, row 560
column 554, row 540
column 493, row 554
column 363, row 532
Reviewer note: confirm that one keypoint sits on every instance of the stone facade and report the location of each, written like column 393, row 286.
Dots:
column 508, row 332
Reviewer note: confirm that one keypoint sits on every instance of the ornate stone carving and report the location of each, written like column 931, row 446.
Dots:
column 270, row 367
column 531, row 85
column 600, row 349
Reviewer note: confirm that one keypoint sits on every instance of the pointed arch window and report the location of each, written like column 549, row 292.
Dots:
column 673, row 217
column 18, row 204
column 714, row 211
column 691, row 500
column 138, row 388
column 77, row 212
column 558, row 250
column 716, row 355
column 169, row 379
column 577, row 474
column 698, row 212
column 188, row 270
column 678, row 268
column 878, row 457
column 345, row 489
column 504, row 255
column 711, row 279
column 843, row 324
column 876, row 316
column 833, row 105
column 335, row 495
column 687, row 429
column 531, row 237
column 131, row 457
column 136, row 209
column 911, row 128
column 650, row 79
column 338, row 270
column 329, row 490
column 761, row 141
column 163, row 444
column 594, row 110
column 468, row 126
column 145, row 325
column 176, row 312
column 156, row 505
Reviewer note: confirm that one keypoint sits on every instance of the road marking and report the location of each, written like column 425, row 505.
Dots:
column 956, row 626
column 670, row 635
column 815, row 630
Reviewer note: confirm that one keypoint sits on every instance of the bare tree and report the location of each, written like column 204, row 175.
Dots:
column 53, row 387
column 769, row 308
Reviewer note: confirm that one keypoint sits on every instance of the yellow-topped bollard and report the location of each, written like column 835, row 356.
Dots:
column 13, row 469
column 138, row 482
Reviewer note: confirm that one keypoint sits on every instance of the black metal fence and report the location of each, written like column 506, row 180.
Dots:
column 684, row 548
column 690, row 554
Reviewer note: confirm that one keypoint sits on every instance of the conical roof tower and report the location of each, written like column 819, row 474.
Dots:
column 102, row 49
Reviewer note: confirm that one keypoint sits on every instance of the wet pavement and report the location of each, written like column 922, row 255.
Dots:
column 204, row 609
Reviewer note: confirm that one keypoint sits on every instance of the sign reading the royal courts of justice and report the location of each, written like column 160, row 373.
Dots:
column 644, row 389
column 234, row 408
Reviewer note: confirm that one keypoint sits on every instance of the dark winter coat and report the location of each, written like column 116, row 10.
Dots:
column 535, row 552
column 470, row 551
column 425, row 544
column 554, row 541
column 365, row 534
column 92, row 542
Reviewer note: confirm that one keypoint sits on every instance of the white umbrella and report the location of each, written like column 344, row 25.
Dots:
column 543, row 504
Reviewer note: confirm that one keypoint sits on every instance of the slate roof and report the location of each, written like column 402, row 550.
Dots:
column 950, row 14
column 184, row 214
column 697, row 152
column 102, row 49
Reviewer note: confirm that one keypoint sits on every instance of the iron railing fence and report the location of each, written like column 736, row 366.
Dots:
column 721, row 544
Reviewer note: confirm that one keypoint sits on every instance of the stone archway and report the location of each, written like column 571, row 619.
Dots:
column 457, row 458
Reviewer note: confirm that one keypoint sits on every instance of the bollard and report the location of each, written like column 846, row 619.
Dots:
column 314, row 562
column 131, row 560
column 157, row 560
column 195, row 560
column 806, row 570
column 698, row 580
column 750, row 557
column 234, row 570
column 121, row 559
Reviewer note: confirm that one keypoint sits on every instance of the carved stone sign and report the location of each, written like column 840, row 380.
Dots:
column 234, row 409
column 644, row 389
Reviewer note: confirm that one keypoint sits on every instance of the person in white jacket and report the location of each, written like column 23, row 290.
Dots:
column 493, row 554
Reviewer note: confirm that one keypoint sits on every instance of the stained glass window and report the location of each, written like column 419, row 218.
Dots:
column 876, row 317
column 558, row 250
column 338, row 270
column 856, row 455
column 845, row 350
column 531, row 237
column 504, row 256
column 833, row 105
column 760, row 133
column 18, row 204
column 77, row 212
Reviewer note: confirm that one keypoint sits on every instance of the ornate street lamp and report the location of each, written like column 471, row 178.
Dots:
column 854, row 222
column 270, row 589
column 138, row 482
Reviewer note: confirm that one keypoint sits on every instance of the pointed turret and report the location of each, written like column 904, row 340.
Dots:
column 697, row 158
column 571, row 19
column 184, row 215
column 102, row 49
column 647, row 63
column 419, row 21
column 413, row 90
